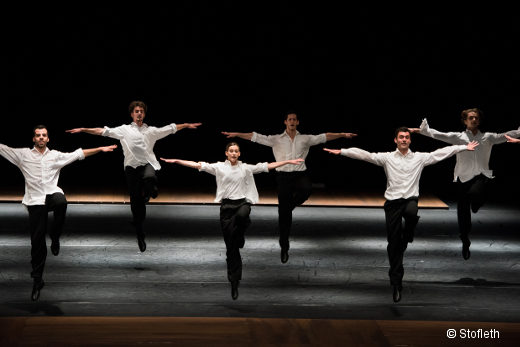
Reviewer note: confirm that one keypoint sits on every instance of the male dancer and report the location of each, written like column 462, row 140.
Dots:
column 472, row 168
column 403, row 169
column 294, row 184
column 141, row 166
column 41, row 170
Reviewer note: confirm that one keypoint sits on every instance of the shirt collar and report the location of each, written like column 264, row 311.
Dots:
column 285, row 133
column 408, row 154
column 135, row 125
column 46, row 150
column 470, row 132
column 228, row 163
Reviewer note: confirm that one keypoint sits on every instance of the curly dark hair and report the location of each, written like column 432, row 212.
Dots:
column 135, row 104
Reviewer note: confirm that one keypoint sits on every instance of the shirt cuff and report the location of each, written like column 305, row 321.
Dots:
column 462, row 148
column 80, row 154
column 105, row 132
column 174, row 128
column 203, row 166
column 253, row 139
column 424, row 125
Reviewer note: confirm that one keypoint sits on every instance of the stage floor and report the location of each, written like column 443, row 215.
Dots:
column 335, row 281
column 204, row 195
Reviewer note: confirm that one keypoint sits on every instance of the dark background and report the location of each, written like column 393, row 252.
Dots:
column 239, row 66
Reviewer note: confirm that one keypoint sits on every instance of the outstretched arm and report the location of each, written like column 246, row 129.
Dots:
column 357, row 153
column 512, row 140
column 333, row 151
column 276, row 164
column 334, row 136
column 186, row 163
column 92, row 151
column 92, row 131
column 188, row 126
column 245, row 136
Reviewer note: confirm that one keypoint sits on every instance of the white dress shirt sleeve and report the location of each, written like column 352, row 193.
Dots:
column 115, row 133
column 159, row 133
column 357, row 153
column 258, row 168
column 443, row 153
column 313, row 140
column 14, row 155
column 265, row 140
column 453, row 138
column 64, row 159
column 209, row 168
column 501, row 138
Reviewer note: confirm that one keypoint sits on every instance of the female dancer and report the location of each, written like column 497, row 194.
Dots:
column 236, row 191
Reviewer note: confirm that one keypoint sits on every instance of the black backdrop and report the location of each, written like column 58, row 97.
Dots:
column 239, row 66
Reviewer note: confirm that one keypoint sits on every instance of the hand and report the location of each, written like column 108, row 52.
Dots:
column 171, row 161
column 333, row 151
column 108, row 148
column 295, row 161
column 192, row 125
column 471, row 146
column 74, row 131
column 512, row 140
column 348, row 135
column 229, row 135
column 414, row 130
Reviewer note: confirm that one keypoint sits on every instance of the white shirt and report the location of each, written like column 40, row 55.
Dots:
column 41, row 171
column 286, row 149
column 470, row 163
column 403, row 171
column 138, row 142
column 235, row 182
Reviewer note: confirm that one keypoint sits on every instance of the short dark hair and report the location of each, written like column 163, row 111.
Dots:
column 465, row 113
column 290, row 112
column 40, row 127
column 401, row 130
column 135, row 104
column 232, row 144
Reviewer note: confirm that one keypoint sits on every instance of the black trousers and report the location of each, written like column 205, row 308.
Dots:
column 141, row 182
column 470, row 195
column 294, row 188
column 38, row 215
column 395, row 212
column 234, row 220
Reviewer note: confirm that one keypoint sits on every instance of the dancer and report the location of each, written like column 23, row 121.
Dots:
column 140, row 164
column 472, row 169
column 41, row 167
column 236, row 191
column 403, row 169
column 294, row 184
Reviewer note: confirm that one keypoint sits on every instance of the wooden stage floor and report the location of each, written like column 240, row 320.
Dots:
column 180, row 331
column 173, row 196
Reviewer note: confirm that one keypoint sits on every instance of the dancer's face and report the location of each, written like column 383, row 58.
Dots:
column 138, row 115
column 403, row 141
column 472, row 121
column 40, row 138
column 291, row 122
column 232, row 154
